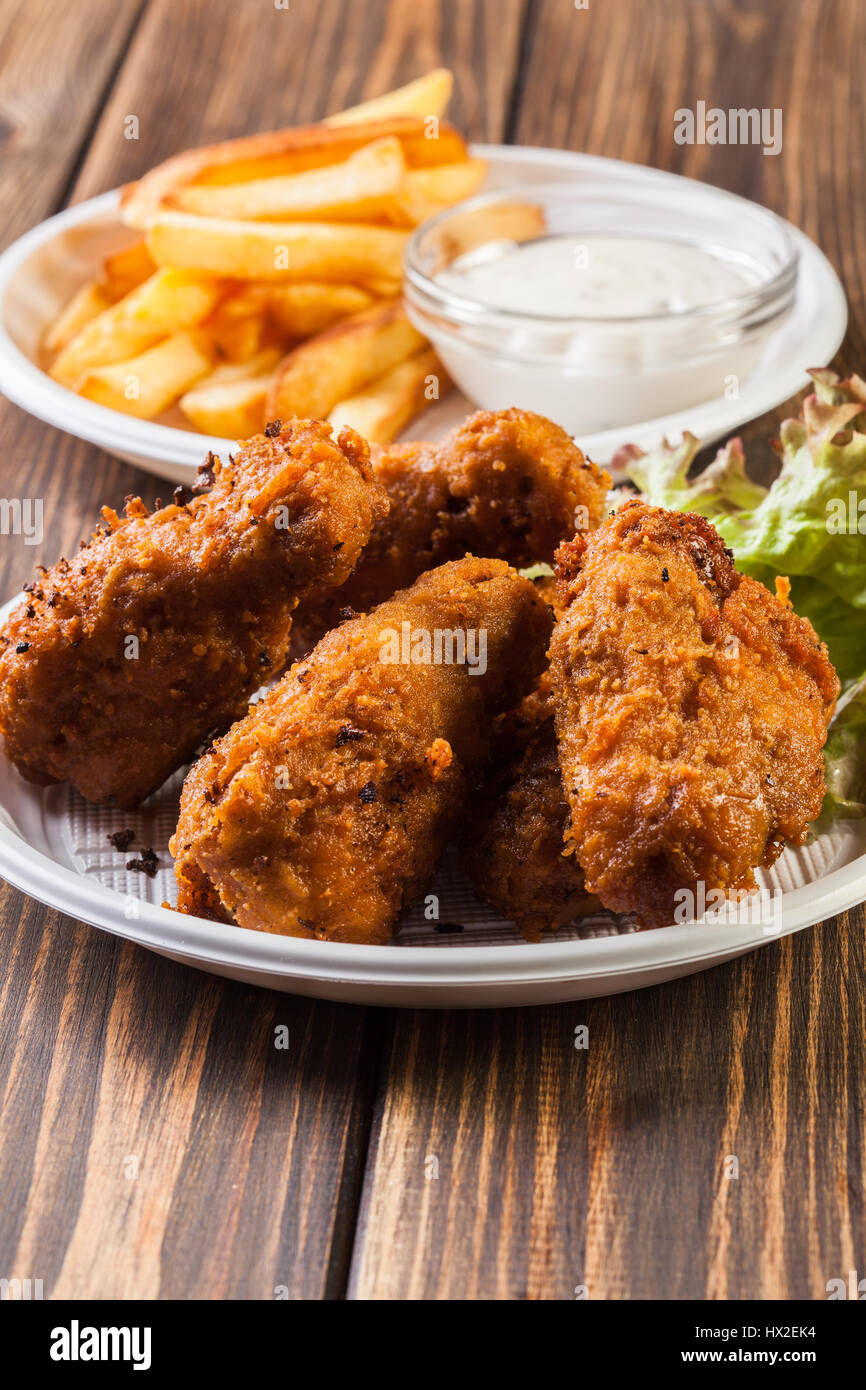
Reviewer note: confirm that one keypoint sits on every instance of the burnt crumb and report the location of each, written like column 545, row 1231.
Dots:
column 641, row 651
column 307, row 924
column 665, row 575
column 339, row 545
column 181, row 496
column 770, row 782
column 146, row 863
column 302, row 676
column 455, row 505
column 368, row 794
column 273, row 428
column 52, row 599
column 347, row 614
column 348, row 735
column 121, row 839
column 83, row 569
column 206, row 477
column 448, row 928
column 31, row 611
column 264, row 659
column 23, row 647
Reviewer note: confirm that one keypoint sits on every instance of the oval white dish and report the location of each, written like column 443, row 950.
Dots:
column 40, row 271
column 54, row 846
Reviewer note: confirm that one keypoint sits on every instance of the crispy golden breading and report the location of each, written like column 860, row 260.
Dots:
column 123, row 660
column 517, row 858
column 691, row 709
column 324, row 812
column 508, row 484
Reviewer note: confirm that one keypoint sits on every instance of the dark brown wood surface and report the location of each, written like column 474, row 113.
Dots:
column 153, row 1140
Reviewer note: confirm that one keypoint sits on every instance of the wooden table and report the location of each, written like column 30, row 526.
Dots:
column 153, row 1141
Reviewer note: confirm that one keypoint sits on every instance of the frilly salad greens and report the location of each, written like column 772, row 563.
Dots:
column 809, row 525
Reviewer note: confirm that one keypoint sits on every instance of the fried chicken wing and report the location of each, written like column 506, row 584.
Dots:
column 507, row 484
column 324, row 812
column 691, row 709
column 517, row 858
column 121, row 661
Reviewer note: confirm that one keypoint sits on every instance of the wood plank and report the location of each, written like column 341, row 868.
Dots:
column 156, row 1142
column 561, row 1170
column 56, row 62
column 249, row 1159
column 604, row 1169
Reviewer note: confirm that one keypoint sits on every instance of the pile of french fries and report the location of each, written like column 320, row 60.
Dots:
column 266, row 279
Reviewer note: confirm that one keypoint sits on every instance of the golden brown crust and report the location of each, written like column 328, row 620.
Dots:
column 508, row 484
column 324, row 812
column 121, row 661
column 518, row 859
column 691, row 710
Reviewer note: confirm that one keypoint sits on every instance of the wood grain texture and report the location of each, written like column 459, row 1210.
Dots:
column 310, row 1171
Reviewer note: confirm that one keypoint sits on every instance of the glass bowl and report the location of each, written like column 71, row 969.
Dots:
column 592, row 372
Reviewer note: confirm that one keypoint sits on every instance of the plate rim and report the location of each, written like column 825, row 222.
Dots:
column 518, row 963
column 270, row 954
column 28, row 386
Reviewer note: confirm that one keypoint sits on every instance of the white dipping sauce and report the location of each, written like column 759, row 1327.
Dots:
column 595, row 358
column 595, row 277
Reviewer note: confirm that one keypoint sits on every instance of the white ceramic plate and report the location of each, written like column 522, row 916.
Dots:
column 41, row 270
column 54, row 845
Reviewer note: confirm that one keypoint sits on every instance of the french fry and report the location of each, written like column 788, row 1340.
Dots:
column 240, row 321
column 428, row 191
column 127, row 269
column 426, row 96
column 275, row 250
column 264, row 361
column 365, row 187
column 89, row 301
column 384, row 407
column 326, row 369
column 169, row 301
column 310, row 307
column 283, row 152
column 383, row 287
column 499, row 222
column 147, row 385
column 231, row 407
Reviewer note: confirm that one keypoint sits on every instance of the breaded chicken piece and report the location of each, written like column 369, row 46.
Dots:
column 120, row 662
column 324, row 812
column 516, row 855
column 691, row 709
column 509, row 484
column 517, row 858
